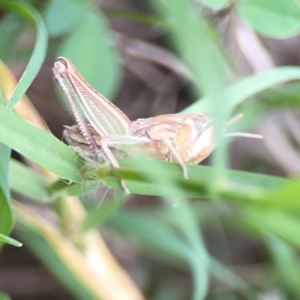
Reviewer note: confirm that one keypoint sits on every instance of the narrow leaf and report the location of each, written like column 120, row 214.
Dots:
column 8, row 240
column 27, row 182
column 39, row 51
column 247, row 87
column 198, row 46
column 6, row 217
column 39, row 146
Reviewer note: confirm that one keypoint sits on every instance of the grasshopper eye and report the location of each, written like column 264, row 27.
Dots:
column 208, row 125
column 60, row 67
column 203, row 123
column 63, row 61
column 63, row 66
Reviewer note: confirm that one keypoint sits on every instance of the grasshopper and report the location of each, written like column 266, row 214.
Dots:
column 181, row 138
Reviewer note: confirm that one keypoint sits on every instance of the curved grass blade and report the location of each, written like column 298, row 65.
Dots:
column 8, row 240
column 39, row 51
column 247, row 87
column 4, row 296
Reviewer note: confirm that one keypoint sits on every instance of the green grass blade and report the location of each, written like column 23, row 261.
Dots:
column 285, row 198
column 286, row 261
column 39, row 146
column 4, row 296
column 160, row 241
column 196, row 43
column 39, row 51
column 163, row 242
column 246, row 88
column 27, row 182
column 226, row 275
column 187, row 224
column 8, row 240
column 6, row 216
column 74, row 189
column 183, row 219
column 238, row 186
column 270, row 222
column 99, row 215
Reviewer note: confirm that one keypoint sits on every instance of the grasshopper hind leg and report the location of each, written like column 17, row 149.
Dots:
column 177, row 158
column 114, row 162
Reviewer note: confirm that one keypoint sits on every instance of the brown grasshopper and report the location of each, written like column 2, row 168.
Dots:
column 181, row 138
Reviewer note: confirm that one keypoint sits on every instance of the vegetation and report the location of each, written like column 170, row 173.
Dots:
column 180, row 238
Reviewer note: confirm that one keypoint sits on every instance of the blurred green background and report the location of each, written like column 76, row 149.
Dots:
column 231, row 231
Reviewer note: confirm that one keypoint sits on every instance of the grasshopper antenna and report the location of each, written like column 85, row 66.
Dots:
column 241, row 134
